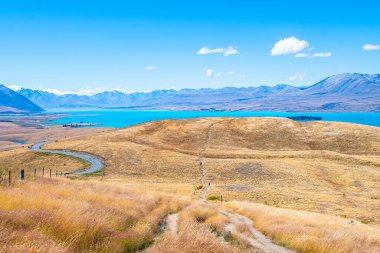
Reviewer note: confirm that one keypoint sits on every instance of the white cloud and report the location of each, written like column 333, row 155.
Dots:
column 231, row 50
column 289, row 45
column 301, row 55
column 209, row 72
column 150, row 68
column 295, row 46
column 212, row 74
column 323, row 55
column 297, row 76
column 233, row 73
column 116, row 69
column 14, row 87
column 206, row 50
column 315, row 55
column 371, row 47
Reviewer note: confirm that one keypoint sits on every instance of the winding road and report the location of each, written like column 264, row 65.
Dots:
column 255, row 238
column 96, row 163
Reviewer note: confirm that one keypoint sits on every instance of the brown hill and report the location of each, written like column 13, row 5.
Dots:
column 256, row 134
column 328, row 168
column 320, row 166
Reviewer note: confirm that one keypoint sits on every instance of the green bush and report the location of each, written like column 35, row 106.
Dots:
column 365, row 221
column 134, row 245
column 228, row 236
column 213, row 198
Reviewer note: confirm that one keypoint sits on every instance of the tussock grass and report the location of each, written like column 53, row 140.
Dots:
column 325, row 167
column 17, row 159
column 192, row 237
column 310, row 232
column 202, row 212
column 200, row 229
column 62, row 215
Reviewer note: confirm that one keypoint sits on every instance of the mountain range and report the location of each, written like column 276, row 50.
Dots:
column 344, row 92
column 13, row 102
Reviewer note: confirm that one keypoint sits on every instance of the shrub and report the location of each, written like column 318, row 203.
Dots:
column 134, row 245
column 213, row 198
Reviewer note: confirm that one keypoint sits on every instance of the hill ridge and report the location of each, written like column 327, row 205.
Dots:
column 343, row 92
column 13, row 102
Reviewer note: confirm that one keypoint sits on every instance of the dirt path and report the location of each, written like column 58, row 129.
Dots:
column 171, row 223
column 255, row 238
column 202, row 171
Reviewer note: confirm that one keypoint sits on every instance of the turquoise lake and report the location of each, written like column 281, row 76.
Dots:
column 124, row 118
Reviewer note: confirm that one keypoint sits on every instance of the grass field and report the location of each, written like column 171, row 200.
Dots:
column 310, row 232
column 311, row 187
column 60, row 215
column 326, row 167
column 63, row 215
column 22, row 158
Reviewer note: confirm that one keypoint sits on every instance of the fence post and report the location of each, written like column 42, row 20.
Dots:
column 35, row 172
column 43, row 171
column 9, row 177
column 50, row 173
column 221, row 198
column 22, row 174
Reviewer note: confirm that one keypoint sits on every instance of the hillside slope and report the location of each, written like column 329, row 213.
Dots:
column 13, row 102
column 326, row 167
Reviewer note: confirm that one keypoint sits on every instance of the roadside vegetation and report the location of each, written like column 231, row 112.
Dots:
column 310, row 232
column 23, row 158
column 62, row 215
column 200, row 229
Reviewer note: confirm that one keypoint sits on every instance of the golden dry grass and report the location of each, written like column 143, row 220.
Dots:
column 22, row 158
column 200, row 229
column 310, row 232
column 326, row 167
column 193, row 237
column 61, row 215
column 206, row 213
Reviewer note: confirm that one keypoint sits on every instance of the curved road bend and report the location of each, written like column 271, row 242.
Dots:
column 96, row 163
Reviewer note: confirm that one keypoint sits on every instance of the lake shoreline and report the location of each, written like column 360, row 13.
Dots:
column 126, row 118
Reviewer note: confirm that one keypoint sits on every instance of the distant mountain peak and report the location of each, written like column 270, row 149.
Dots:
column 347, row 91
column 13, row 102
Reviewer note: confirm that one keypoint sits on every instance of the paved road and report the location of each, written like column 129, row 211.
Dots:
column 96, row 163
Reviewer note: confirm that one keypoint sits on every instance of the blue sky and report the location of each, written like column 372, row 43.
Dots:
column 146, row 45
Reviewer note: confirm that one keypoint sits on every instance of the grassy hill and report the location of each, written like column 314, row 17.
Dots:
column 63, row 215
column 326, row 167
column 310, row 187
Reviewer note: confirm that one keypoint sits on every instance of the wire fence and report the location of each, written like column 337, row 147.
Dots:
column 8, row 177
